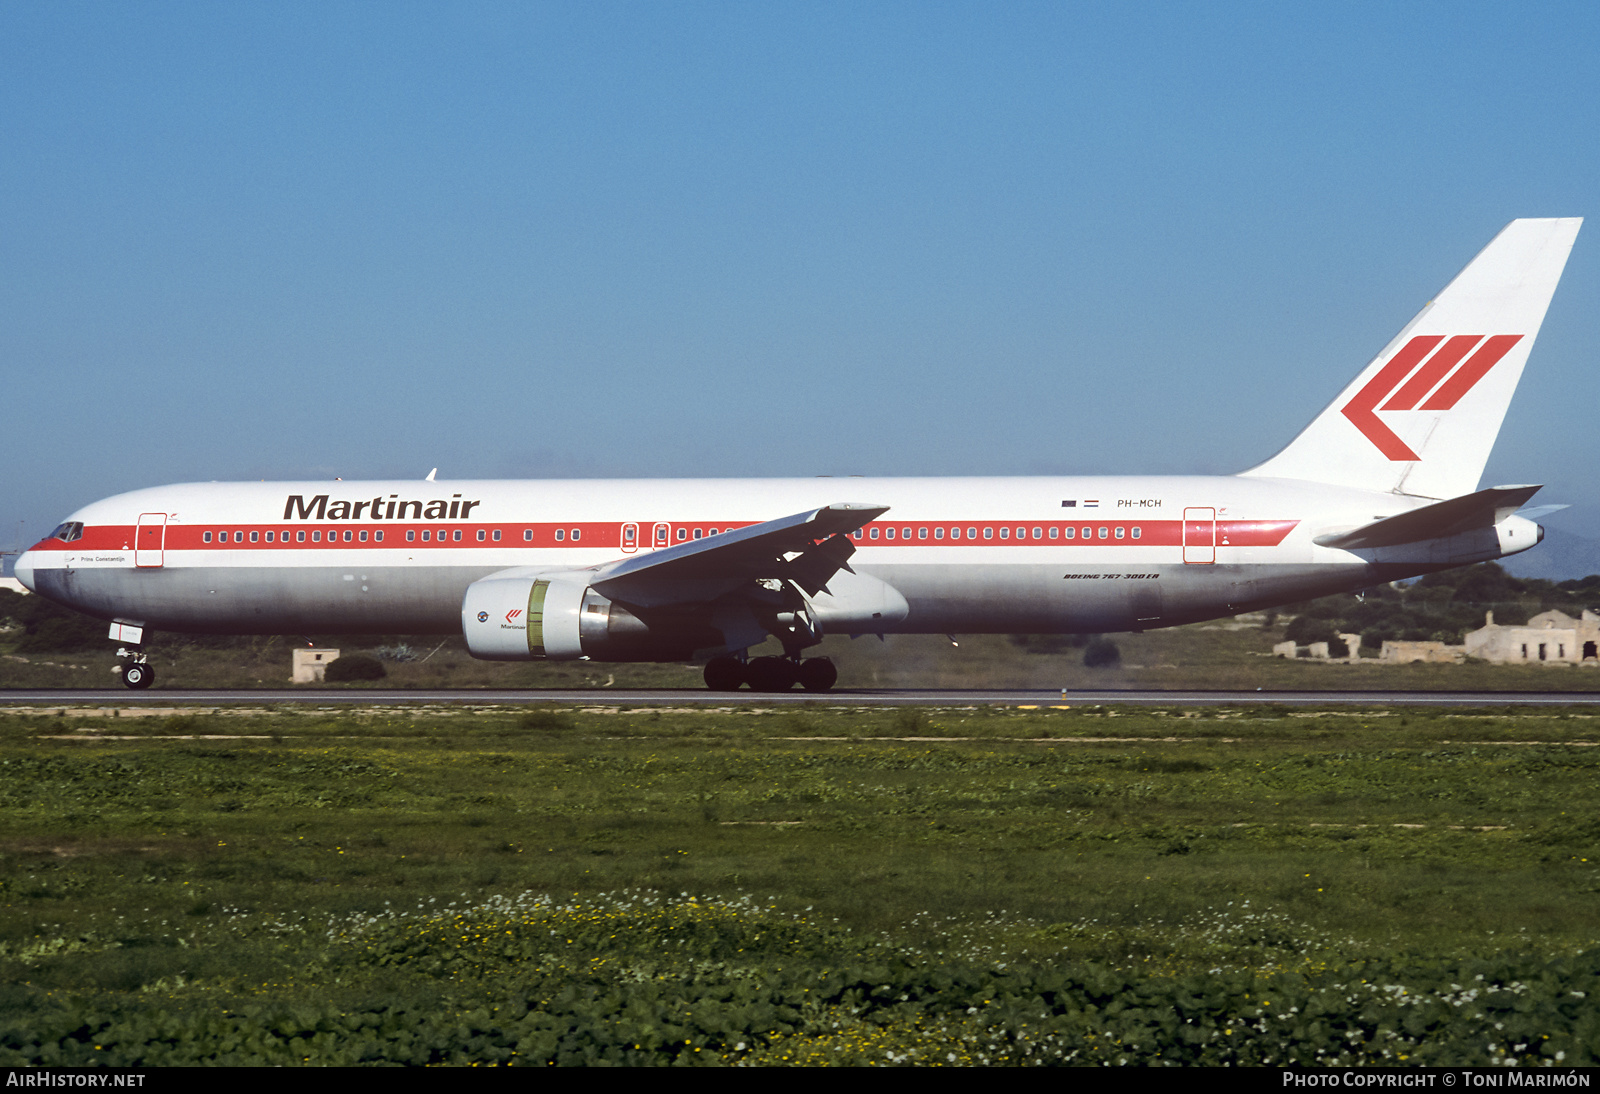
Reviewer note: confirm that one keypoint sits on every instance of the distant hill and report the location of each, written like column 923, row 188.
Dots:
column 1561, row 557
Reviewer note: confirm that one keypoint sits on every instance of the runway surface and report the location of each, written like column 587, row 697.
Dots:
column 675, row 697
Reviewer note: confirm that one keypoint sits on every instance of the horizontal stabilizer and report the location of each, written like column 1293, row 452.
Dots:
column 1539, row 512
column 1484, row 509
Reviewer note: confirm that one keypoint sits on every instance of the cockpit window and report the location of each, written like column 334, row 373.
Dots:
column 71, row 530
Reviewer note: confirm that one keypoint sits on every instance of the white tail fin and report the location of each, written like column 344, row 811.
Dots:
column 1422, row 417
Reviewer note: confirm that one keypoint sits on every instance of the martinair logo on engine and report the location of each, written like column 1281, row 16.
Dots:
column 1424, row 382
column 511, row 616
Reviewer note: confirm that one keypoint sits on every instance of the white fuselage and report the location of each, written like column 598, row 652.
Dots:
column 969, row 555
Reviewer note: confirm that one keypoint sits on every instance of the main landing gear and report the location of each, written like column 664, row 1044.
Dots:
column 137, row 673
column 770, row 673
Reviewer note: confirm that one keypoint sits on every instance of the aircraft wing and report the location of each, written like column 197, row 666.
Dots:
column 807, row 548
column 1483, row 509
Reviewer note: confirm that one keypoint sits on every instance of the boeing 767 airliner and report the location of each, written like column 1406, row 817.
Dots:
column 1382, row 485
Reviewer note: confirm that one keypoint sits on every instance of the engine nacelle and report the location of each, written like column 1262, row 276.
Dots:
column 525, row 614
column 857, row 604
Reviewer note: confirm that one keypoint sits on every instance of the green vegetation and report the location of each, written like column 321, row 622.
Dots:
column 352, row 667
column 1225, row 654
column 1441, row 607
column 1102, row 653
column 800, row 885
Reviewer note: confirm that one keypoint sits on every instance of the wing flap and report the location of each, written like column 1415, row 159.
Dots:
column 696, row 569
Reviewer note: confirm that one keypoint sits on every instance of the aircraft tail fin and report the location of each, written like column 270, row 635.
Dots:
column 1422, row 417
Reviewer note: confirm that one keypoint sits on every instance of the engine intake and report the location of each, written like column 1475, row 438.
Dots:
column 532, row 615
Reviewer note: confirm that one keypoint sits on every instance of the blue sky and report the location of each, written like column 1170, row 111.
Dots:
column 587, row 239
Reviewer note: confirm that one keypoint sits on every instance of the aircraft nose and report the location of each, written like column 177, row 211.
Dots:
column 24, row 570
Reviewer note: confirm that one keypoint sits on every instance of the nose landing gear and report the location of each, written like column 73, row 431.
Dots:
column 137, row 673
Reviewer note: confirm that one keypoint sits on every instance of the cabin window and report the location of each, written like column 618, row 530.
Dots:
column 577, row 534
column 988, row 533
column 300, row 536
column 699, row 533
column 411, row 535
column 456, row 535
column 1088, row 533
column 922, row 533
column 1135, row 531
column 1119, row 531
column 1102, row 532
column 1054, row 532
column 205, row 537
column 378, row 535
column 972, row 533
column 347, row 536
column 496, row 535
column 561, row 535
column 269, row 537
column 938, row 533
column 527, row 535
column 482, row 535
column 1070, row 532
column 316, row 537
column 888, row 533
column 255, row 537
column 711, row 531
column 363, row 535
column 683, row 534
column 1005, row 533
column 873, row 533
column 426, row 535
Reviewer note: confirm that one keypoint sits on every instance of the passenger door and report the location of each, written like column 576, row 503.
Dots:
column 149, row 540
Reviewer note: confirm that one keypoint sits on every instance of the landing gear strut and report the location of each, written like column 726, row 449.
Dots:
column 770, row 674
column 137, row 673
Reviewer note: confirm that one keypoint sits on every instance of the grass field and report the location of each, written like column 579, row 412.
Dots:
column 807, row 885
column 1223, row 655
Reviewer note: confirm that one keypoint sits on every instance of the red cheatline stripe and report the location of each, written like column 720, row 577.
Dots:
column 1470, row 373
column 602, row 535
column 1432, row 371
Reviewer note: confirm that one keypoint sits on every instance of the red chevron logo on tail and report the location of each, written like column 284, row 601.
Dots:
column 1424, row 375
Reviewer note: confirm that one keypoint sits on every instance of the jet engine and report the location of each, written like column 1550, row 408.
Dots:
column 525, row 614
